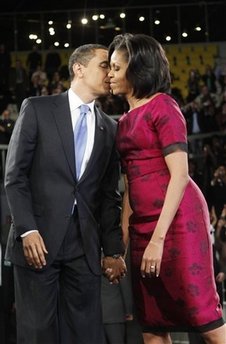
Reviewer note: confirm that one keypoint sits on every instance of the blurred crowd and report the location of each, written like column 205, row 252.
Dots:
column 35, row 78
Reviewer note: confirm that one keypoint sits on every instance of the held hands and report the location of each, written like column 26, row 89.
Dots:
column 34, row 250
column 114, row 268
column 152, row 257
column 220, row 277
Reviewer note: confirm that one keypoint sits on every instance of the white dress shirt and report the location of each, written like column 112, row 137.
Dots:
column 74, row 104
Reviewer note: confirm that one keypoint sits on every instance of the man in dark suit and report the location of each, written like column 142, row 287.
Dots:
column 60, row 221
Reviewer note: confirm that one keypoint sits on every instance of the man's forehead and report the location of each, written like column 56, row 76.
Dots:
column 101, row 54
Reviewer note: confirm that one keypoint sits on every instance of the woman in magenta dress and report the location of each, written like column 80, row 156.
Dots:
column 164, row 210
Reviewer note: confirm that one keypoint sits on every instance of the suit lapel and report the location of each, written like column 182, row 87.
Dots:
column 62, row 117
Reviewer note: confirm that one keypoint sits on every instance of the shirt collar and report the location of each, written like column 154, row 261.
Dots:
column 75, row 101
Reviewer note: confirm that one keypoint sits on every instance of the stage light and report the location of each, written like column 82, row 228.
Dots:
column 168, row 38
column 84, row 21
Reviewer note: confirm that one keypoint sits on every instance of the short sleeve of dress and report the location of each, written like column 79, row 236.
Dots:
column 170, row 125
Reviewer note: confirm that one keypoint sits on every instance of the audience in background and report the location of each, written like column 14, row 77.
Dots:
column 6, row 126
column 193, row 85
column 52, row 62
column 5, row 64
column 209, row 79
column 55, row 85
column 36, row 86
column 41, row 75
column 18, row 83
column 34, row 59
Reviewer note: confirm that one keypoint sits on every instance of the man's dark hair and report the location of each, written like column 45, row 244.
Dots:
column 83, row 55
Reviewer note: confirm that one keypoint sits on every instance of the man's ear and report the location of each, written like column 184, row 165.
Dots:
column 78, row 69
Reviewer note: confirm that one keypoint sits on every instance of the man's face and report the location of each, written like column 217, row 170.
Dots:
column 95, row 74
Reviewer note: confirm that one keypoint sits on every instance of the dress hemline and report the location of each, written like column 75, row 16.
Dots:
column 198, row 329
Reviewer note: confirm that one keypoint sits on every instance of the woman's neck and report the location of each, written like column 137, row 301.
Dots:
column 134, row 102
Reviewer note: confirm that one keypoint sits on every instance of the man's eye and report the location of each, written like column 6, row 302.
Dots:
column 105, row 66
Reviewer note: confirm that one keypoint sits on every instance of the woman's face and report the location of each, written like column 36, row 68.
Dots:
column 118, row 82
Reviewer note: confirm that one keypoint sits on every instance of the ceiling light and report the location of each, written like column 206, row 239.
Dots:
column 198, row 28
column 84, row 21
column 184, row 34
column 32, row 36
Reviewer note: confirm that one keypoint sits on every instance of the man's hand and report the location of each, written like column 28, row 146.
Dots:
column 34, row 250
column 220, row 277
column 114, row 268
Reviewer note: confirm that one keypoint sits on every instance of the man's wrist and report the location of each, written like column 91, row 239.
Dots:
column 116, row 256
column 28, row 232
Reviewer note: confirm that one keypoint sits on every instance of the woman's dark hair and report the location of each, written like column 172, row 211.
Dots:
column 148, row 68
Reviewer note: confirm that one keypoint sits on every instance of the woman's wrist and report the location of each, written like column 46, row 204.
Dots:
column 157, row 241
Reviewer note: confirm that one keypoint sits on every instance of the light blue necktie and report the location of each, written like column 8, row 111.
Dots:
column 80, row 138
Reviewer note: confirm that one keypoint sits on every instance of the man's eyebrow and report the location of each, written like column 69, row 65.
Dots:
column 104, row 62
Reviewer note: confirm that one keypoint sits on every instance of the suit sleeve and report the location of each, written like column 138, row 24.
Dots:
column 18, row 164
column 111, row 208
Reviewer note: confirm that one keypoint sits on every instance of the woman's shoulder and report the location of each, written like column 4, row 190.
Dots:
column 165, row 102
column 164, row 98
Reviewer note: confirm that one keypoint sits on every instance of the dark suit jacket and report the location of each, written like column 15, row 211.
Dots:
column 41, row 184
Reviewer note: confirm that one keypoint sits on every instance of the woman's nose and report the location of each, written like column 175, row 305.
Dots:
column 110, row 74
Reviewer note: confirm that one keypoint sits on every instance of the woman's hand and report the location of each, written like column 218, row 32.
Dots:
column 152, row 257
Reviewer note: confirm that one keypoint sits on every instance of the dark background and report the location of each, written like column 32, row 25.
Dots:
column 20, row 18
